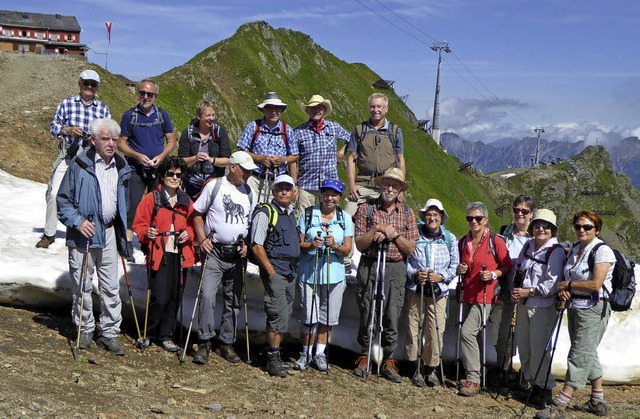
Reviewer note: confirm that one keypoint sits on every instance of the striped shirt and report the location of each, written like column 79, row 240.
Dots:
column 107, row 175
column 72, row 112
column 318, row 153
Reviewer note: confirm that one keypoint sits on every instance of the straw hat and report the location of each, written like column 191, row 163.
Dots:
column 319, row 100
column 395, row 174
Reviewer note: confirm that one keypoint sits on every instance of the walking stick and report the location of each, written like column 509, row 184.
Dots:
column 133, row 307
column 484, row 329
column 263, row 193
column 83, row 287
column 313, row 301
column 556, row 327
column 435, row 312
column 374, row 295
column 145, row 342
column 195, row 307
column 420, row 332
column 508, row 350
column 326, row 350
column 244, row 298
column 459, row 295
column 382, row 298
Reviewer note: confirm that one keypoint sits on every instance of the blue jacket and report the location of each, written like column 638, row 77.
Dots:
column 79, row 196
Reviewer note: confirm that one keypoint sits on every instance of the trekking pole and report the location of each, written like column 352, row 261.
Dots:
column 83, row 287
column 420, row 331
column 382, row 297
column 145, row 342
column 180, row 278
column 313, row 301
column 193, row 313
column 507, row 363
column 484, row 328
column 263, row 194
column 244, row 298
column 133, row 307
column 326, row 350
column 548, row 348
column 372, row 315
column 459, row 292
column 435, row 312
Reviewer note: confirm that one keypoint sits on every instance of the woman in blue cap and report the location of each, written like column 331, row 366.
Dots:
column 326, row 238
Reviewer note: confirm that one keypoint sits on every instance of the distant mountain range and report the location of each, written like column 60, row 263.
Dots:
column 507, row 152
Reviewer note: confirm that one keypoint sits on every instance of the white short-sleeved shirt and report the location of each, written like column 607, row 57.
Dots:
column 229, row 214
column 577, row 269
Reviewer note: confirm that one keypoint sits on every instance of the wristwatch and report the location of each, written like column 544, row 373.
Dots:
column 494, row 276
column 532, row 291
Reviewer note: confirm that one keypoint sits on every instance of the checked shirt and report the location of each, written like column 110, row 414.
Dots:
column 73, row 112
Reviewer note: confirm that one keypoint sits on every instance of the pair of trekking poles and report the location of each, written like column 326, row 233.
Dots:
column 314, row 293
column 377, row 296
column 182, row 355
column 421, row 325
column 265, row 189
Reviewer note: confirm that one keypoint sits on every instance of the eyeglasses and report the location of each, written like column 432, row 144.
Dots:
column 173, row 174
column 477, row 218
column 522, row 211
column 433, row 215
column 585, row 227
column 276, row 109
column 89, row 83
column 543, row 226
column 143, row 93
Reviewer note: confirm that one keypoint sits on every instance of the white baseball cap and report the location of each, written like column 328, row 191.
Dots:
column 283, row 178
column 90, row 75
column 243, row 159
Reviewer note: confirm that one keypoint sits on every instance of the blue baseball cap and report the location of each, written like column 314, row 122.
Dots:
column 334, row 184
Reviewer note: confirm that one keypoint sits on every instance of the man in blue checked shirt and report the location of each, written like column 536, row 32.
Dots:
column 270, row 142
column 317, row 147
column 70, row 125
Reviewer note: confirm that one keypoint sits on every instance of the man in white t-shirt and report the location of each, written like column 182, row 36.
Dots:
column 221, row 221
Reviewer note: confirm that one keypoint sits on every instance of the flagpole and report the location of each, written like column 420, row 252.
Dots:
column 108, row 25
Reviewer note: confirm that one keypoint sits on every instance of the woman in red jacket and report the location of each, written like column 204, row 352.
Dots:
column 483, row 259
column 163, row 223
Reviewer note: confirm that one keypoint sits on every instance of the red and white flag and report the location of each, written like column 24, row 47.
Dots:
column 108, row 25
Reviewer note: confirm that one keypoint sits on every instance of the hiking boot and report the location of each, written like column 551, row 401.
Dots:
column 111, row 344
column 226, row 351
column 469, row 389
column 169, row 346
column 418, row 379
column 554, row 410
column 540, row 397
column 390, row 371
column 361, row 368
column 432, row 379
column 85, row 340
column 274, row 365
column 597, row 407
column 320, row 362
column 45, row 241
column 302, row 363
column 202, row 354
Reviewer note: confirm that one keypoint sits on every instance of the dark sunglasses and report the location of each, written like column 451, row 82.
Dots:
column 522, row 211
column 173, row 174
column 478, row 218
column 143, row 93
column 87, row 83
column 544, row 226
column 585, row 227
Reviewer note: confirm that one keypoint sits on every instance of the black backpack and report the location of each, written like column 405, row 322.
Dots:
column 623, row 280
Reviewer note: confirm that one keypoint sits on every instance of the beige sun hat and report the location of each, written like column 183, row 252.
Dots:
column 393, row 173
column 543, row 214
column 319, row 100
column 273, row 99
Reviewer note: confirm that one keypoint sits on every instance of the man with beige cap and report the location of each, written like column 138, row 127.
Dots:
column 317, row 146
column 383, row 223
column 70, row 125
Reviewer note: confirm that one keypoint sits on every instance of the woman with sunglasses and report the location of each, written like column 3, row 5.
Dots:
column 484, row 258
column 587, row 316
column 205, row 147
column 163, row 222
column 541, row 263
column 515, row 235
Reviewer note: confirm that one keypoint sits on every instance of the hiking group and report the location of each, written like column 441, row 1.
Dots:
column 275, row 200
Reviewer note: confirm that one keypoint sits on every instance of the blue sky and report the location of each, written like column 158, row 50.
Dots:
column 570, row 67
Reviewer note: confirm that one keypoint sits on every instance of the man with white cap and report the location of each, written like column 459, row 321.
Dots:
column 269, row 141
column 275, row 243
column 383, row 222
column 221, row 223
column 70, row 125
column 317, row 146
column 431, row 267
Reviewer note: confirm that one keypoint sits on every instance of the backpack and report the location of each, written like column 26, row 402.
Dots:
column 308, row 215
column 392, row 132
column 157, row 204
column 623, row 280
column 135, row 123
column 519, row 274
column 216, row 188
column 446, row 233
column 258, row 130
column 492, row 246
column 272, row 215
column 370, row 214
